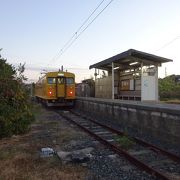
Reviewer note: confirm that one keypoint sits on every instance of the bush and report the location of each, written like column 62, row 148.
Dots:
column 169, row 88
column 15, row 109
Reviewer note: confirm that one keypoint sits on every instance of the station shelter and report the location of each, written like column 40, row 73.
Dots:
column 131, row 75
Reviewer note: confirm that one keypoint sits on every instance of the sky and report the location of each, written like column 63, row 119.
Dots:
column 35, row 31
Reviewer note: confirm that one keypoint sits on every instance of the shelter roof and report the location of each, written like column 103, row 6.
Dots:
column 124, row 60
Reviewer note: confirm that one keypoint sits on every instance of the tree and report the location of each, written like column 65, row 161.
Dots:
column 168, row 88
column 15, row 110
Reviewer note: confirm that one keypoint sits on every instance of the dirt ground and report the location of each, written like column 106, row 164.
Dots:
column 20, row 155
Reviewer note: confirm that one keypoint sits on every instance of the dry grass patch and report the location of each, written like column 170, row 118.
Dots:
column 19, row 155
column 26, row 166
column 67, row 134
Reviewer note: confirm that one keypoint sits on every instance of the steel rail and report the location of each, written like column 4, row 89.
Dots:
column 140, row 141
column 120, row 151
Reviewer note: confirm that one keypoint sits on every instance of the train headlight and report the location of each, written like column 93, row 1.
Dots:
column 70, row 93
column 50, row 92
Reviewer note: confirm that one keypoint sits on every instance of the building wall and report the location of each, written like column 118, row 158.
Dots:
column 149, row 84
column 103, row 87
column 128, row 85
column 85, row 89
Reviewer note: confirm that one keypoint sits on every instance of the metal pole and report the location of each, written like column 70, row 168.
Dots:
column 112, row 80
column 156, row 84
column 95, row 74
column 142, row 81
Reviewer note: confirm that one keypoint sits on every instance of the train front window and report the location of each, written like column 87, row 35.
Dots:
column 60, row 80
column 69, row 80
column 51, row 80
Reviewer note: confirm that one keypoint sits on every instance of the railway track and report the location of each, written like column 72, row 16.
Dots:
column 145, row 156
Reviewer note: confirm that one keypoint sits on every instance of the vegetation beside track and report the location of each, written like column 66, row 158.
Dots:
column 169, row 89
column 15, row 106
column 20, row 154
column 124, row 142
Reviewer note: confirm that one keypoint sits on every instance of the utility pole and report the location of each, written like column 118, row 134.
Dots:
column 165, row 72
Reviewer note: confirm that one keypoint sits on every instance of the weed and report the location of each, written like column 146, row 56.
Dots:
column 124, row 142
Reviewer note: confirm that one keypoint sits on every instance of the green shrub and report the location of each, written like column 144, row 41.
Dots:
column 169, row 88
column 15, row 107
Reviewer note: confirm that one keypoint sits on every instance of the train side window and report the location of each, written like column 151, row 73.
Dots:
column 51, row 80
column 69, row 80
column 61, row 80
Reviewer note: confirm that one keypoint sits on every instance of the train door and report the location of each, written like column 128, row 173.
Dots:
column 60, row 87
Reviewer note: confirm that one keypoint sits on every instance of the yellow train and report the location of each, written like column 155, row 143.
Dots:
column 56, row 89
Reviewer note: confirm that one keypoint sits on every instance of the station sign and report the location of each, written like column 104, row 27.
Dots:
column 149, row 71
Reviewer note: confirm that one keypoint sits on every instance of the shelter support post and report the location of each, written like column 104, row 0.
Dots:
column 112, row 80
column 95, row 73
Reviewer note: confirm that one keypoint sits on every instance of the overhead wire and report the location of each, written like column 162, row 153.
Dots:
column 76, row 32
column 168, row 43
column 84, row 23
column 76, row 35
column 87, row 27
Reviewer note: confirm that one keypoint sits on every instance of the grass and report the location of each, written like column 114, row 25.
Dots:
column 25, row 166
column 124, row 142
column 172, row 101
column 19, row 155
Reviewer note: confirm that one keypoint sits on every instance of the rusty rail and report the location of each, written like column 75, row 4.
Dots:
column 120, row 151
column 140, row 141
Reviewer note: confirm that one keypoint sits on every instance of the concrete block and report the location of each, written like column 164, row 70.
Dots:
column 109, row 111
column 156, row 114
column 124, row 115
column 117, row 112
column 132, row 115
column 143, row 117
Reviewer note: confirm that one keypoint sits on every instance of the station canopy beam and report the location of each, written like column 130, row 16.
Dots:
column 126, row 58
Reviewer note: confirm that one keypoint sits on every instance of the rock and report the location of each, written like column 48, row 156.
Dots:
column 82, row 155
column 14, row 136
column 126, row 168
column 84, row 164
column 64, row 156
column 79, row 157
column 89, row 155
column 85, row 150
column 112, row 156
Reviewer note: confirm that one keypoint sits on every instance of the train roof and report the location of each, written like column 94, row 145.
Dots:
column 57, row 74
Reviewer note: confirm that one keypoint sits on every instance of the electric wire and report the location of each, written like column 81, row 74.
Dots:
column 83, row 23
column 75, row 34
column 78, row 35
column 167, row 44
column 86, row 27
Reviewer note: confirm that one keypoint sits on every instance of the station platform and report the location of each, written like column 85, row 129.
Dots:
column 158, row 106
column 159, row 120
